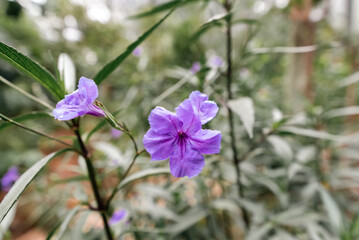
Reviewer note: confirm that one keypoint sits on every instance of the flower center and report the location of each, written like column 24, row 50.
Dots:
column 182, row 136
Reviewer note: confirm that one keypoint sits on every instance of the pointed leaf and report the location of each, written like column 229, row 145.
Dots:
column 163, row 7
column 332, row 208
column 244, row 107
column 65, row 223
column 31, row 69
column 24, row 117
column 17, row 189
column 110, row 67
column 143, row 174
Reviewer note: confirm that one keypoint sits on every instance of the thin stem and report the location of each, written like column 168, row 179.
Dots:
column 32, row 130
column 115, row 190
column 92, row 175
column 10, row 84
column 236, row 160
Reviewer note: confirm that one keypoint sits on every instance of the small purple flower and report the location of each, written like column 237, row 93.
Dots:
column 9, row 178
column 216, row 61
column 196, row 67
column 117, row 216
column 179, row 136
column 138, row 51
column 79, row 103
column 115, row 133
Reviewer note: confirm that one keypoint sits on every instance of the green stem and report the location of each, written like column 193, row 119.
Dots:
column 92, row 175
column 115, row 190
column 236, row 160
column 32, row 130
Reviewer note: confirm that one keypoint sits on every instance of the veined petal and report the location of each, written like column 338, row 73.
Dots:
column 186, row 161
column 95, row 111
column 187, row 116
column 88, row 89
column 206, row 110
column 160, row 146
column 163, row 121
column 65, row 111
column 206, row 141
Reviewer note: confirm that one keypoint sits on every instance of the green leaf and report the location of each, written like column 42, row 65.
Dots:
column 31, row 69
column 334, row 213
column 215, row 21
column 143, row 174
column 24, row 117
column 163, row 7
column 64, row 224
column 25, row 179
column 110, row 67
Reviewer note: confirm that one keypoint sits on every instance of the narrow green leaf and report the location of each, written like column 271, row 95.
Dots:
column 24, row 117
column 65, row 223
column 25, row 179
column 334, row 213
column 143, row 174
column 163, row 7
column 31, row 69
column 110, row 67
column 71, row 179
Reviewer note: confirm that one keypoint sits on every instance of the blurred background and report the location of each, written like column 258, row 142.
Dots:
column 296, row 60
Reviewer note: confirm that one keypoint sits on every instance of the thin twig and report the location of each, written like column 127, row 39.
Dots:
column 116, row 189
column 32, row 130
column 36, row 99
column 236, row 160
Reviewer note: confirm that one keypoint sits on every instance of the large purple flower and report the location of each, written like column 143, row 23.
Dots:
column 179, row 136
column 9, row 178
column 80, row 102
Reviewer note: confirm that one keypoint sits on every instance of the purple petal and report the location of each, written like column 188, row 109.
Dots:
column 186, row 161
column 69, row 108
column 206, row 141
column 205, row 109
column 196, row 67
column 94, row 110
column 163, row 121
column 89, row 88
column 160, row 146
column 138, row 51
column 115, row 133
column 117, row 216
column 216, row 61
column 9, row 178
column 187, row 116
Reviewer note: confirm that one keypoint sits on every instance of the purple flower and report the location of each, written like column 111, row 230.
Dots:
column 117, row 216
column 138, row 51
column 196, row 67
column 215, row 61
column 206, row 110
column 79, row 103
column 9, row 178
column 115, row 133
column 179, row 136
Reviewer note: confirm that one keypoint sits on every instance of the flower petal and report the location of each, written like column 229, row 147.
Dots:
column 160, row 146
column 163, row 121
column 70, row 108
column 117, row 216
column 88, row 89
column 206, row 141
column 205, row 109
column 187, row 116
column 186, row 161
